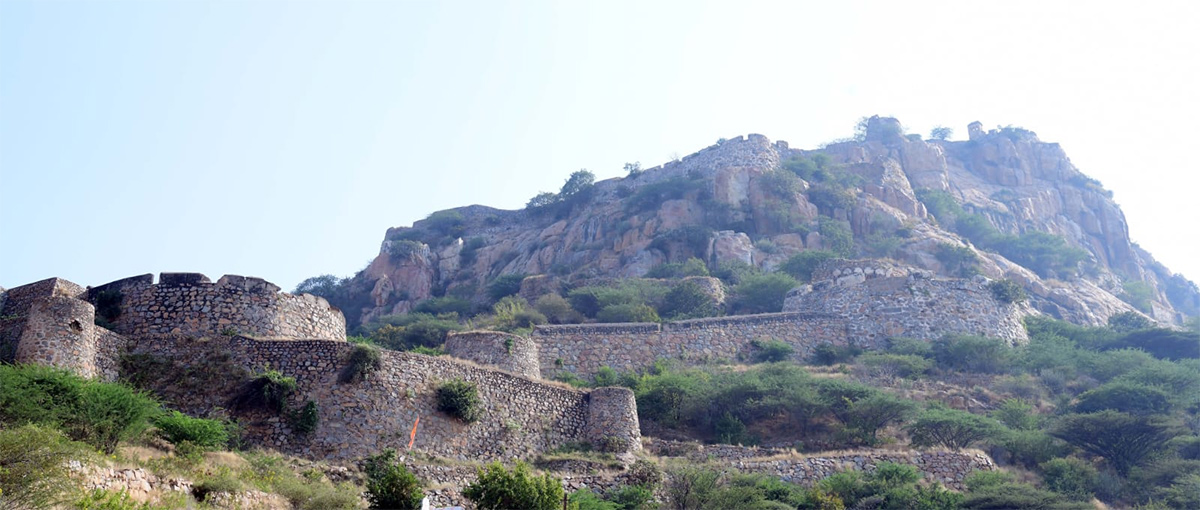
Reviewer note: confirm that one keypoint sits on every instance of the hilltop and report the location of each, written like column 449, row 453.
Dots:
column 1003, row 204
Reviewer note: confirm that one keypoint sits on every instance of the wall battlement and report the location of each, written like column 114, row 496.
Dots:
column 191, row 304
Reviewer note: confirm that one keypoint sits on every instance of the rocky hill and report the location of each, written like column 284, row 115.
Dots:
column 1004, row 204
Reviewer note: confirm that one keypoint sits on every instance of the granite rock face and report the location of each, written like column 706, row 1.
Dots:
column 723, row 205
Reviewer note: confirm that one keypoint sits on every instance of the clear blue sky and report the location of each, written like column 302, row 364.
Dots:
column 280, row 139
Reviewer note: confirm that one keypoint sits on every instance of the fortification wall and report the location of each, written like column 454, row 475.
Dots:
column 877, row 304
column 521, row 416
column 190, row 304
column 45, row 323
column 513, row 353
column 583, row 348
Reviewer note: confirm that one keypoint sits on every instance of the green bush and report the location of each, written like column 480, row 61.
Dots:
column 363, row 361
column 460, row 399
column 692, row 267
column 445, row 305
column 1124, row 396
column 863, row 410
column 267, row 390
column 950, row 428
column 770, row 351
column 179, row 428
column 801, row 265
column 304, row 420
column 836, row 236
column 557, row 310
column 1073, row 478
column 910, row 346
column 497, row 488
column 688, row 300
column 957, row 260
column 692, row 240
column 98, row 413
column 973, row 353
column 1016, row 414
column 1125, row 322
column 406, row 331
column 33, row 466
column 762, row 293
column 1123, row 439
column 505, row 285
column 221, row 482
column 889, row 365
column 1007, row 291
column 628, row 312
column 829, row 354
column 390, row 484
column 651, row 196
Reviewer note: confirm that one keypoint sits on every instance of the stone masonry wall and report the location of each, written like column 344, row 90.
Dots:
column 612, row 420
column 16, row 305
column 513, row 353
column 190, row 304
column 45, row 323
column 584, row 348
column 882, row 302
column 522, row 417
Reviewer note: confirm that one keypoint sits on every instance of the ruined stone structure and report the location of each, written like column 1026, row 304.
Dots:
column 884, row 300
column 513, row 353
column 188, row 325
column 851, row 302
column 190, row 304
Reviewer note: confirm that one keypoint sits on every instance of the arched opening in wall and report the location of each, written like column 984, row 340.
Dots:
column 76, row 327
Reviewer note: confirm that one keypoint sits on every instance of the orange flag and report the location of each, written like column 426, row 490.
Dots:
column 413, row 436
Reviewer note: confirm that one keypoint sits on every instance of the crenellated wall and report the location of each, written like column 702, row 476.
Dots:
column 522, row 416
column 190, row 304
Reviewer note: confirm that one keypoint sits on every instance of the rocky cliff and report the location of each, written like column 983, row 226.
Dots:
column 749, row 200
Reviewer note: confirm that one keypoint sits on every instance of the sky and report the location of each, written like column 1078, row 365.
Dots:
column 281, row 139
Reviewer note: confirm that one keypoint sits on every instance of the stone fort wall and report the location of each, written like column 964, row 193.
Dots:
column 513, row 353
column 859, row 302
column 882, row 300
column 190, row 304
column 522, row 416
column 46, row 322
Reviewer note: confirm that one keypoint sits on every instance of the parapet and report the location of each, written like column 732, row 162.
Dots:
column 191, row 304
column 851, row 271
column 501, row 350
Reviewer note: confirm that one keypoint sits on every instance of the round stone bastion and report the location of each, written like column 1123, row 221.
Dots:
column 613, row 421
column 500, row 350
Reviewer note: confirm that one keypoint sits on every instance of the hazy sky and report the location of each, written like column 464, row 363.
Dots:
column 280, row 139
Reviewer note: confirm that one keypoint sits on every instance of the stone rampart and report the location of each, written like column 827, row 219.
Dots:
column 45, row 323
column 882, row 302
column 613, row 420
column 190, row 304
column 583, row 348
column 944, row 467
column 513, row 353
column 521, row 417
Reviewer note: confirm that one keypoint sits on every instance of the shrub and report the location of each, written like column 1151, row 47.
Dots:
column 770, row 351
column 1016, row 414
column 179, row 428
column 557, row 310
column 863, row 410
column 444, row 305
column 390, row 484
column 627, row 313
column 801, row 265
column 692, row 267
column 1123, row 439
column 505, row 285
column 460, row 399
column 973, row 353
column 404, row 332
column 1007, row 291
column 217, row 483
column 957, row 260
column 98, row 413
column 33, row 466
column 763, row 293
column 1124, row 396
column 829, row 198
column 910, row 346
column 1073, row 478
column 688, row 300
column 1129, row 321
column 692, row 239
column 498, row 488
column 404, row 249
column 836, row 236
column 889, row 366
column 305, row 420
column 690, row 487
column 267, row 390
column 732, row 272
column 1138, row 294
column 950, row 428
column 361, row 363
column 829, row 354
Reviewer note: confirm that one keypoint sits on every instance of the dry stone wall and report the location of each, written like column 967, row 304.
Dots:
column 45, row 323
column 522, row 417
column 583, row 349
column 190, row 304
column 513, row 353
column 879, row 301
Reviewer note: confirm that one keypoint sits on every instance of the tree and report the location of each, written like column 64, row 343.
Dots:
column 1125, row 396
column 1123, row 439
column 33, row 466
column 941, row 133
column 950, row 428
column 763, row 293
column 801, row 265
column 580, row 182
column 1129, row 321
column 497, row 488
column 633, row 169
